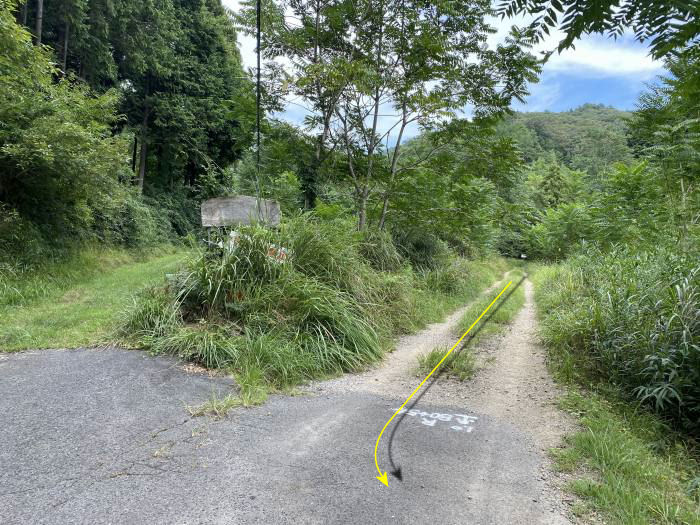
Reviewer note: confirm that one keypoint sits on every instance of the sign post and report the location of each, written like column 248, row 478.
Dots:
column 242, row 209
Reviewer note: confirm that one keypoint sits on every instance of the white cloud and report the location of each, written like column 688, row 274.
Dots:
column 543, row 96
column 605, row 57
column 593, row 54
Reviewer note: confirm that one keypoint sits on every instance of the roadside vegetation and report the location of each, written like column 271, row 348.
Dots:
column 76, row 302
column 333, row 305
column 629, row 465
column 620, row 315
column 620, row 333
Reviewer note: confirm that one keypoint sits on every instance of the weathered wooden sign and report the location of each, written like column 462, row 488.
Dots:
column 242, row 209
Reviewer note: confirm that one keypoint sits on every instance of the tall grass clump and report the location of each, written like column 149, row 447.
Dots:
column 379, row 250
column 461, row 365
column 630, row 318
column 313, row 298
column 424, row 250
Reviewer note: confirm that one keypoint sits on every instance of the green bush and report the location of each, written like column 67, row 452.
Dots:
column 633, row 319
column 425, row 251
column 378, row 249
column 292, row 319
column 561, row 231
column 291, row 304
column 65, row 178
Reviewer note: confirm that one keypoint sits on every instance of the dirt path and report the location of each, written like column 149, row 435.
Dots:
column 512, row 385
column 397, row 373
column 512, row 381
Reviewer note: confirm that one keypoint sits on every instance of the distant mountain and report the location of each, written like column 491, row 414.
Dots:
column 589, row 138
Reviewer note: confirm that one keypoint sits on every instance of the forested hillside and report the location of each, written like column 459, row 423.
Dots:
column 589, row 138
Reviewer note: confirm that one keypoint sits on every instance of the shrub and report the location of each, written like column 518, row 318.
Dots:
column 425, row 251
column 290, row 319
column 378, row 249
column 320, row 310
column 632, row 319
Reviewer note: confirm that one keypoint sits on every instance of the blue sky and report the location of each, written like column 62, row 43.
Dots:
column 599, row 70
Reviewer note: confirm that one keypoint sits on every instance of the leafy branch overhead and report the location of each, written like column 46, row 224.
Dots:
column 667, row 25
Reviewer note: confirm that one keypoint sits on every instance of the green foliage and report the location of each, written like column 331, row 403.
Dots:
column 455, row 186
column 631, row 318
column 625, row 207
column 74, row 301
column 58, row 162
column 177, row 68
column 278, row 321
column 461, row 365
column 560, row 231
column 350, row 58
column 501, row 313
column 644, row 473
column 64, row 176
column 668, row 26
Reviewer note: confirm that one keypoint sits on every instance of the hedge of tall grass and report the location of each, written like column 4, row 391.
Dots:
column 632, row 318
column 331, row 306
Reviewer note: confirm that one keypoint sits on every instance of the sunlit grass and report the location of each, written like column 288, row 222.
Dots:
column 643, row 473
column 66, row 311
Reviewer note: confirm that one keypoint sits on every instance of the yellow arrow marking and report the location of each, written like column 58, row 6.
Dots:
column 382, row 475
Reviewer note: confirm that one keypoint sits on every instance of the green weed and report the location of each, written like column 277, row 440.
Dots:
column 631, row 319
column 644, row 473
column 603, row 316
column 216, row 407
column 460, row 365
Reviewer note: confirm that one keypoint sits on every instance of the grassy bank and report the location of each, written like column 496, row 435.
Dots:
column 75, row 302
column 599, row 317
column 629, row 465
column 334, row 303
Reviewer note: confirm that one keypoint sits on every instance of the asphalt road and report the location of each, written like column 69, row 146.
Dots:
column 102, row 436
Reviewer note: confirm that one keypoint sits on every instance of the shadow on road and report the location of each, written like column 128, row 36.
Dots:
column 396, row 469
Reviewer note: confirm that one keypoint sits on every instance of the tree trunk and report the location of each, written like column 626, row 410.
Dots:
column 362, row 210
column 142, row 163
column 311, row 175
column 39, row 20
column 22, row 14
column 394, row 167
column 65, row 47
column 133, row 157
column 144, row 150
